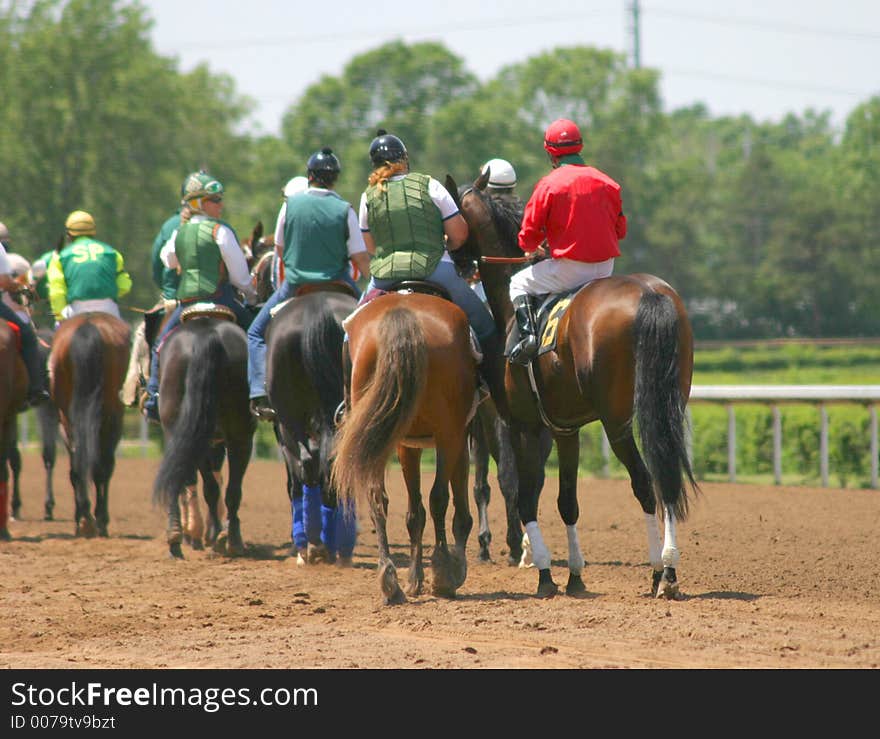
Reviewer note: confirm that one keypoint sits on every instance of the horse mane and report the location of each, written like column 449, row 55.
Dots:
column 507, row 215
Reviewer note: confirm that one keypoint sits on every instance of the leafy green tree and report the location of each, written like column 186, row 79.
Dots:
column 95, row 119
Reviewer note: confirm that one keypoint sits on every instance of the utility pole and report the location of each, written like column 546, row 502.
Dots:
column 634, row 34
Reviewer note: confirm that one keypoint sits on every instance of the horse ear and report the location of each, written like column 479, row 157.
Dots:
column 452, row 188
column 257, row 234
column 481, row 181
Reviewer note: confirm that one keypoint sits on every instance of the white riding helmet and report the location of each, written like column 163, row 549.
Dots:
column 501, row 173
column 297, row 184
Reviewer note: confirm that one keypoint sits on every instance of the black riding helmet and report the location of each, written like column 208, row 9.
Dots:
column 386, row 148
column 323, row 166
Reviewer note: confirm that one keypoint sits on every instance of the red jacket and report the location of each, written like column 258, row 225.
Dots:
column 578, row 210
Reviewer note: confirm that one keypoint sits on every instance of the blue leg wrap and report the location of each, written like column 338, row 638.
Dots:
column 346, row 529
column 312, row 512
column 298, row 531
column 328, row 528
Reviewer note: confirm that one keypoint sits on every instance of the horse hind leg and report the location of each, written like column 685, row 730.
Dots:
column 191, row 517
column 482, row 491
column 388, row 582
column 15, row 466
column 410, row 459
column 664, row 582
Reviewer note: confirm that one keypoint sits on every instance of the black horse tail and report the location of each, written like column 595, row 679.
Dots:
column 380, row 418
column 86, row 403
column 196, row 422
column 321, row 356
column 659, row 403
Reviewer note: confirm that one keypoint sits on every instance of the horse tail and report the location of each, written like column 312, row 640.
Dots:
column 374, row 425
column 87, row 362
column 321, row 356
column 191, row 436
column 659, row 405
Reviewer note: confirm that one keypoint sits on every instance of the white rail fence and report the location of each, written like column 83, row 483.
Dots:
column 730, row 396
column 776, row 395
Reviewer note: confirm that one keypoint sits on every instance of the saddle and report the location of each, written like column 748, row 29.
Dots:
column 207, row 310
column 332, row 286
column 547, row 318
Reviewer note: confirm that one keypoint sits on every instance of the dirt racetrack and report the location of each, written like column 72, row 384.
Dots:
column 771, row 578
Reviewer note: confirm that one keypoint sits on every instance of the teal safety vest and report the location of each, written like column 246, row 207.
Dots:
column 315, row 238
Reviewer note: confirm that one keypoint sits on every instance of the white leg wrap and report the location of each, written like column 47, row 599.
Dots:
column 670, row 550
column 540, row 553
column 575, row 555
column 652, row 525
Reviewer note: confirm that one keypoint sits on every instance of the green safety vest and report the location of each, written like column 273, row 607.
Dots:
column 406, row 227
column 200, row 259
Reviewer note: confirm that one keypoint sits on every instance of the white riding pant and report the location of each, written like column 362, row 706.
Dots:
column 104, row 305
column 557, row 276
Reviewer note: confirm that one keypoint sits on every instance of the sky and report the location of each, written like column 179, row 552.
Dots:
column 763, row 58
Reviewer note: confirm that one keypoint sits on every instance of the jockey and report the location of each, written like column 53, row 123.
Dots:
column 578, row 211
column 502, row 181
column 37, row 392
column 206, row 253
column 166, row 280
column 316, row 236
column 412, row 226
column 86, row 274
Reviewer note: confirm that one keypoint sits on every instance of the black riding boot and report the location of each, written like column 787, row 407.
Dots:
column 37, row 392
column 524, row 352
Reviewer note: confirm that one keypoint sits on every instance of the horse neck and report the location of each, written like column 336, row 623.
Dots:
column 496, row 285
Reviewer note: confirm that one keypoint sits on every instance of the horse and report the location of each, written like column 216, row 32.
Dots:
column 87, row 365
column 623, row 353
column 489, row 435
column 304, row 384
column 410, row 383
column 205, row 417
column 13, row 387
column 47, row 417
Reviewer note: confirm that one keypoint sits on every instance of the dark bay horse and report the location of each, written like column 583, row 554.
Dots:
column 489, row 436
column 47, row 417
column 203, row 405
column 13, row 388
column 410, row 384
column 304, row 384
column 87, row 366
column 623, row 353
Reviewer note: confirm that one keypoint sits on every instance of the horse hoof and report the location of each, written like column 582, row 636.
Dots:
column 234, row 547
column 389, row 585
column 197, row 544
column 396, row 598
column 174, row 550
column 345, row 562
column 102, row 532
column 656, row 576
column 668, row 586
column 220, row 544
column 48, row 516
column 86, row 528
column 484, row 556
column 300, row 560
column 458, row 568
column 5, row 535
column 575, row 586
column 317, row 554
column 546, row 587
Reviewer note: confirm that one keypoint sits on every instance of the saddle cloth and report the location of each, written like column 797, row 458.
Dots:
column 547, row 319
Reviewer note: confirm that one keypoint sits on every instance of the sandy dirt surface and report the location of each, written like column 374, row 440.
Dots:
column 773, row 577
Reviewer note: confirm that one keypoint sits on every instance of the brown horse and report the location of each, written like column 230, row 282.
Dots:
column 87, row 366
column 623, row 352
column 13, row 386
column 205, row 418
column 410, row 384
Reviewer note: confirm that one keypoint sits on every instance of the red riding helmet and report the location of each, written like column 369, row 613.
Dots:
column 563, row 137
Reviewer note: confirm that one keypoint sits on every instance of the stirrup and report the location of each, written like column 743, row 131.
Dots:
column 261, row 409
column 525, row 352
